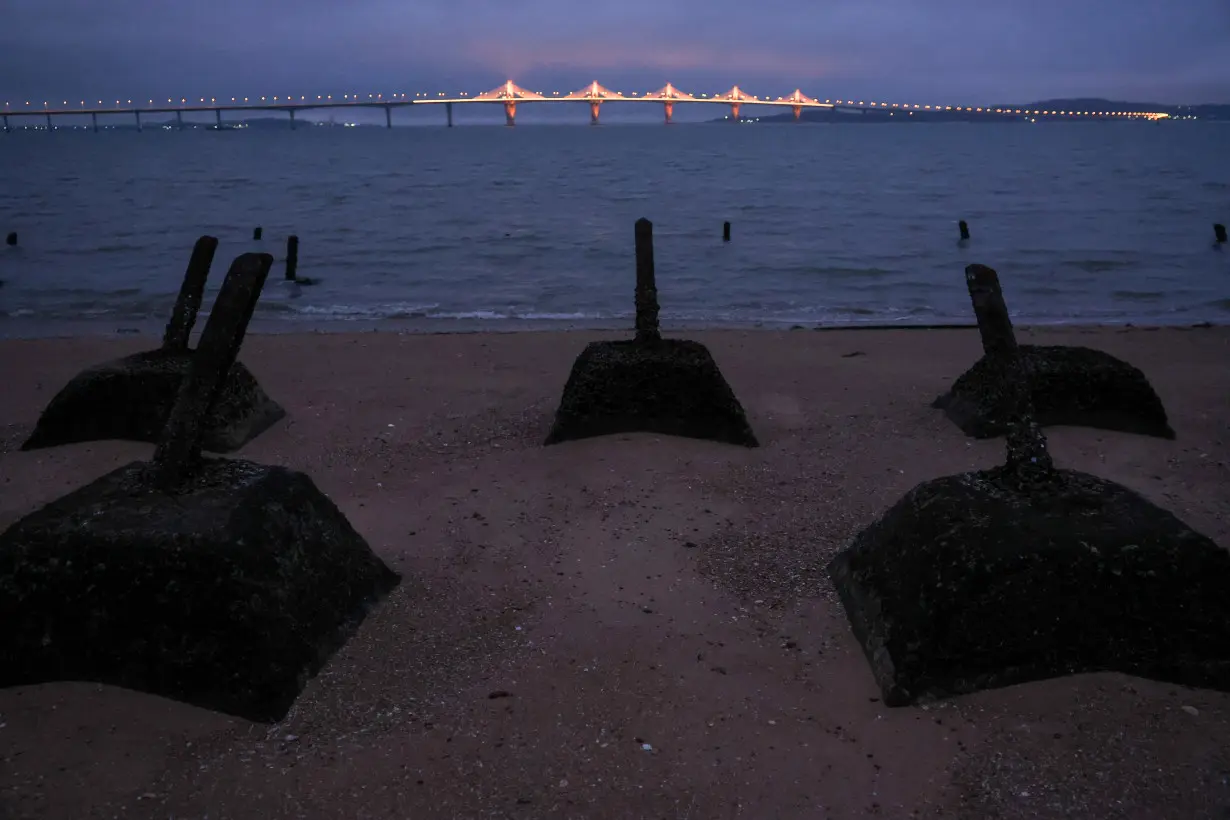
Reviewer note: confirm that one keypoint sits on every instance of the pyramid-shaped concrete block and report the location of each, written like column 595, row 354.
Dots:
column 1075, row 386
column 649, row 384
column 131, row 398
column 669, row 386
column 229, row 594
column 1025, row 571
column 983, row 580
column 225, row 584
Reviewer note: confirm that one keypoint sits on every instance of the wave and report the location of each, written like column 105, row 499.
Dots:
column 1139, row 295
column 119, row 247
column 827, row 271
column 407, row 310
column 497, row 315
column 377, row 310
column 1101, row 265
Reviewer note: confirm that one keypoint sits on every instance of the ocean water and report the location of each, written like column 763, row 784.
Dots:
column 479, row 226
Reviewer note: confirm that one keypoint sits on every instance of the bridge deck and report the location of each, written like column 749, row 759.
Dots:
column 509, row 92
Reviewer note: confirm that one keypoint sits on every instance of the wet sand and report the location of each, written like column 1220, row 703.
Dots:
column 632, row 626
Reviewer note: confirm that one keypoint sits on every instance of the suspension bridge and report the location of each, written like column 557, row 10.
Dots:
column 509, row 95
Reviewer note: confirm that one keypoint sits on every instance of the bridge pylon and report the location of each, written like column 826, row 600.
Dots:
column 510, row 94
column 797, row 100
column 669, row 95
column 595, row 94
column 736, row 97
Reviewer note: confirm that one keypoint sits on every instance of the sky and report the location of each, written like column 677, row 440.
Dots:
column 947, row 52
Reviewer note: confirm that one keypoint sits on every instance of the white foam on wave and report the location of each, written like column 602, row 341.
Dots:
column 372, row 311
column 403, row 310
column 498, row 315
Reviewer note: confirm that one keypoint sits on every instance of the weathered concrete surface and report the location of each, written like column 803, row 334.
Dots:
column 1068, row 385
column 131, row 399
column 228, row 594
column 1002, row 576
column 667, row 386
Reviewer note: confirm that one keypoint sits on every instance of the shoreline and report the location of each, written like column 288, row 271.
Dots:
column 18, row 329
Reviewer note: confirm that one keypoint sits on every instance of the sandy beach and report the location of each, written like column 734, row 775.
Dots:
column 632, row 626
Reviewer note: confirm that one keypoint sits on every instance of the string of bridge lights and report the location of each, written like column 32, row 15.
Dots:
column 378, row 98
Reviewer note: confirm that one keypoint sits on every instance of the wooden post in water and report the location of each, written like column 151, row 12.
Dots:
column 256, row 233
column 994, row 323
column 292, row 257
column 11, row 239
column 964, row 228
column 179, row 449
column 646, row 285
column 1219, row 231
column 725, row 231
column 188, row 304
column 1026, row 442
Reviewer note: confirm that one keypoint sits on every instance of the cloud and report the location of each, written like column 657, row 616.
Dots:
column 957, row 50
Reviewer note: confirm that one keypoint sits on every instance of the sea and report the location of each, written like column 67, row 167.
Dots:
column 487, row 227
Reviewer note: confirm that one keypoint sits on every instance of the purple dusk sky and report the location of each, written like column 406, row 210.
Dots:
column 940, row 51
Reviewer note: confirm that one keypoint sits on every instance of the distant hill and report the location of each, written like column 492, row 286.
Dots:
column 1200, row 112
column 269, row 123
column 1206, row 111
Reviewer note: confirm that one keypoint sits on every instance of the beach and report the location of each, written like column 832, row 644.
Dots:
column 628, row 626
